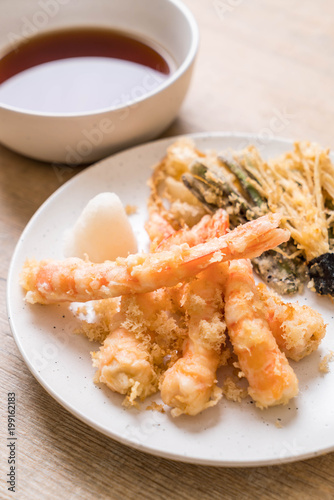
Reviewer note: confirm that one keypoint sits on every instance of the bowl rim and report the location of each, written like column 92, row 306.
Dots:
column 184, row 66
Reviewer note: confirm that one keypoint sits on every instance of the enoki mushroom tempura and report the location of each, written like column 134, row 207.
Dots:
column 169, row 319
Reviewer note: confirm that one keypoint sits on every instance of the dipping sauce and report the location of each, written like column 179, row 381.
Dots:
column 79, row 70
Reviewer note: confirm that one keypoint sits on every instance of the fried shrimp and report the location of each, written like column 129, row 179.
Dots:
column 125, row 361
column 189, row 386
column 73, row 279
column 124, row 366
column 208, row 227
column 163, row 236
column 158, row 229
column 271, row 379
column 298, row 330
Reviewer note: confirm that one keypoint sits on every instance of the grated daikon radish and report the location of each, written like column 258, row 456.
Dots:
column 102, row 231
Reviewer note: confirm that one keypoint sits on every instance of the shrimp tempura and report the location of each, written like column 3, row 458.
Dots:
column 271, row 379
column 298, row 330
column 76, row 280
column 124, row 366
column 125, row 362
column 189, row 386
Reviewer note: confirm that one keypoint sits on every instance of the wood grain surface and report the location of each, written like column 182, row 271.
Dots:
column 265, row 67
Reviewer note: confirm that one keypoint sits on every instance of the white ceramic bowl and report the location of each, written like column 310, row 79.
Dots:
column 85, row 137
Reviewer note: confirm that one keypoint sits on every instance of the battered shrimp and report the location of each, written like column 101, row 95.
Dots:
column 189, row 386
column 73, row 279
column 298, row 330
column 271, row 379
column 124, row 366
column 125, row 360
column 157, row 228
column 210, row 226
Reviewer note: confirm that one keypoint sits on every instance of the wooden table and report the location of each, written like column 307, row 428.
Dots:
column 263, row 67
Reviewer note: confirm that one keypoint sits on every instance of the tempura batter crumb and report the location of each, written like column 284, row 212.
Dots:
column 232, row 391
column 324, row 363
column 156, row 407
column 130, row 209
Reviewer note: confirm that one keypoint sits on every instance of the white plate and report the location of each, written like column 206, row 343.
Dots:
column 229, row 434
